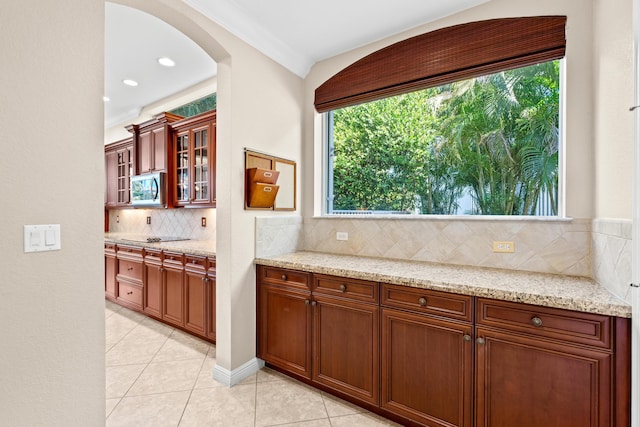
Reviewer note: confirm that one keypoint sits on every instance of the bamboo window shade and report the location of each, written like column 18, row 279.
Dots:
column 445, row 56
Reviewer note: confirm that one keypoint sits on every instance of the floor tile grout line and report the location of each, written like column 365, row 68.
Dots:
column 195, row 382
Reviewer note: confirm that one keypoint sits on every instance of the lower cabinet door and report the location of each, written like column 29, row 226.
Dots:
column 427, row 366
column 211, row 302
column 196, row 299
column 173, row 304
column 346, row 347
column 284, row 329
column 531, row 382
column 152, row 304
column 110, row 271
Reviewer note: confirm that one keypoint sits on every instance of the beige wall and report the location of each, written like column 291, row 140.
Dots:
column 259, row 107
column 51, row 171
column 613, row 95
column 580, row 163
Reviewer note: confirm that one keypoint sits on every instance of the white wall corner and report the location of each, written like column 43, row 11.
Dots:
column 231, row 378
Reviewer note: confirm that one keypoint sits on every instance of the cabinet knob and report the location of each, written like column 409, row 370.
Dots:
column 422, row 301
column 313, row 303
column 480, row 340
column 343, row 288
column 466, row 337
column 306, row 302
column 536, row 321
column 284, row 277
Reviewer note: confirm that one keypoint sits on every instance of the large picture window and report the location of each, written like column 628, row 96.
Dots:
column 482, row 146
column 461, row 120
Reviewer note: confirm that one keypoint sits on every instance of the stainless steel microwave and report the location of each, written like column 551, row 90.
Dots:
column 148, row 190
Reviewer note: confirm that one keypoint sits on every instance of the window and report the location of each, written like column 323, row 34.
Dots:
column 462, row 120
column 481, row 146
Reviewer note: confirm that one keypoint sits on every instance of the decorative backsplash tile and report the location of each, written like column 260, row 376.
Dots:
column 611, row 246
column 278, row 235
column 165, row 222
column 549, row 246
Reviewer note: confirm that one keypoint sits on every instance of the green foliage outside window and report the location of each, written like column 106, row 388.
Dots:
column 492, row 140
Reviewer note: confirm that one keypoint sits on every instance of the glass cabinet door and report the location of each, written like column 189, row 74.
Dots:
column 182, row 167
column 201, row 164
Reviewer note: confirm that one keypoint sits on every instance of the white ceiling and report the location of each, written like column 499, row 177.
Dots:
column 294, row 33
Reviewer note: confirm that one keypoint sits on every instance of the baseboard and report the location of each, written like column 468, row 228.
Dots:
column 231, row 378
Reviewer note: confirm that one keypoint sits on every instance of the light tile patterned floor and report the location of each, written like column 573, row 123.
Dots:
column 159, row 376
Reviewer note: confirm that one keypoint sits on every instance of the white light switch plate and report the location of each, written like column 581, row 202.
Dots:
column 40, row 238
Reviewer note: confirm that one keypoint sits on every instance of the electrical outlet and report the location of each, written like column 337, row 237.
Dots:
column 148, row 220
column 342, row 235
column 203, row 221
column 118, row 219
column 504, row 247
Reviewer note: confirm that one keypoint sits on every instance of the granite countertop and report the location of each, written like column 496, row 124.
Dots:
column 191, row 247
column 566, row 292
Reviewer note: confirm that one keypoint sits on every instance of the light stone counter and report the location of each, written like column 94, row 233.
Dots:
column 191, row 247
column 566, row 292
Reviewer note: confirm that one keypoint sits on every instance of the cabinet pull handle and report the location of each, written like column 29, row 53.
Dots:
column 422, row 301
column 536, row 321
column 130, row 292
column 313, row 303
column 284, row 277
column 130, row 268
column 466, row 337
column 480, row 340
column 343, row 288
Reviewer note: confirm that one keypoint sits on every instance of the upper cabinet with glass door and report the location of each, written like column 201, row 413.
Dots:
column 194, row 161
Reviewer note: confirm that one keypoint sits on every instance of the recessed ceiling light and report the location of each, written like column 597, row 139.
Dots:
column 106, row 99
column 167, row 62
column 130, row 82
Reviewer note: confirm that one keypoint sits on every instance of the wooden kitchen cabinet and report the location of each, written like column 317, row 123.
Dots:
column 195, row 283
column 445, row 359
column 153, row 279
column 152, row 143
column 129, row 284
column 284, row 319
column 194, row 161
column 326, row 331
column 119, row 163
column 173, row 288
column 427, row 356
column 346, row 336
column 211, row 299
column 538, row 366
column 110, row 271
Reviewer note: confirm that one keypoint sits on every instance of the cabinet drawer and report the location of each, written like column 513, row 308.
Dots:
column 360, row 290
column 130, row 269
column 290, row 278
column 130, row 252
column 444, row 304
column 581, row 328
column 130, row 293
column 173, row 258
column 153, row 256
column 197, row 263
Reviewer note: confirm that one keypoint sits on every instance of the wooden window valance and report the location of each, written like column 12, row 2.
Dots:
column 444, row 56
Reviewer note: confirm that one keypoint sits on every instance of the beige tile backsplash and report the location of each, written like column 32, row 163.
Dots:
column 611, row 247
column 165, row 222
column 561, row 246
